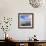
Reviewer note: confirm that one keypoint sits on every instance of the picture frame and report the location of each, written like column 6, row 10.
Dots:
column 25, row 20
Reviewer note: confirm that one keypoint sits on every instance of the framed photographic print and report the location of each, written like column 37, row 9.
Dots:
column 25, row 20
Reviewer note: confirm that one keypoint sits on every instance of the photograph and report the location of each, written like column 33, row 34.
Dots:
column 25, row 20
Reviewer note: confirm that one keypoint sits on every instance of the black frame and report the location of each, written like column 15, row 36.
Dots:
column 26, row 27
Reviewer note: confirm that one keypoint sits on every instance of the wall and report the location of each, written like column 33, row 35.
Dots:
column 11, row 8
